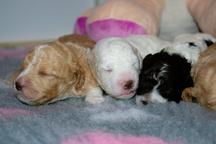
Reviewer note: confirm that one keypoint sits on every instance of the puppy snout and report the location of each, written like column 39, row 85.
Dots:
column 18, row 86
column 128, row 84
column 20, row 83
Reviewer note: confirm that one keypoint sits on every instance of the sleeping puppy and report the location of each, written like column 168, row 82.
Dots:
column 57, row 70
column 190, row 45
column 204, row 77
column 116, row 62
column 165, row 75
column 163, row 78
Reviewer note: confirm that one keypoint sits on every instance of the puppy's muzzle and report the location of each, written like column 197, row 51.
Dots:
column 128, row 85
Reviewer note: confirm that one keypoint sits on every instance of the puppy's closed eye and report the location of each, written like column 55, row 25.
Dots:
column 107, row 69
column 47, row 74
column 42, row 73
column 192, row 44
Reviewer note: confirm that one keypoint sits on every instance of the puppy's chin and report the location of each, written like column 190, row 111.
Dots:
column 37, row 100
column 24, row 100
column 126, row 95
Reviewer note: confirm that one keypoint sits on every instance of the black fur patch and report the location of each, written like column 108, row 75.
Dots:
column 192, row 44
column 209, row 42
column 173, row 80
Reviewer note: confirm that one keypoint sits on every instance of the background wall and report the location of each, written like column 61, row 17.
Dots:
column 24, row 20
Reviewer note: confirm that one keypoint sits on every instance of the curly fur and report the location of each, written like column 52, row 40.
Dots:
column 57, row 70
column 204, row 77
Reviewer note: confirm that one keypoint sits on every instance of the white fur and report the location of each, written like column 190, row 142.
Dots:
column 191, row 53
column 118, row 60
column 94, row 96
column 115, row 61
column 34, row 60
column 147, row 44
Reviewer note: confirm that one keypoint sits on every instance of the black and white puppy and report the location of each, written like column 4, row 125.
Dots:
column 163, row 78
column 191, row 45
column 166, row 74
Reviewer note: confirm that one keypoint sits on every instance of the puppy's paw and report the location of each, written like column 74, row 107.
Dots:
column 95, row 96
column 187, row 95
column 94, row 99
column 141, row 100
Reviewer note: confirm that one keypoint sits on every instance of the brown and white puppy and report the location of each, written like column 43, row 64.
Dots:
column 204, row 77
column 57, row 70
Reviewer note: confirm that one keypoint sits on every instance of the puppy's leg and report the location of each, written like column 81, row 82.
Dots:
column 188, row 94
column 210, row 101
column 141, row 100
column 95, row 95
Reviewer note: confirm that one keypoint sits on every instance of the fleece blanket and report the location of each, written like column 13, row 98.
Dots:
column 73, row 121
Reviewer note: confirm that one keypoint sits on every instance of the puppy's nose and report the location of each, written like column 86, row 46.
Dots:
column 128, row 84
column 18, row 86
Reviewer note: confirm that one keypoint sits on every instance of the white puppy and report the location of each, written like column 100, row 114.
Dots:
column 190, row 45
column 117, row 62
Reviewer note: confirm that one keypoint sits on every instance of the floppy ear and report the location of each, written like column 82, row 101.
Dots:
column 78, row 77
column 138, row 54
column 92, row 61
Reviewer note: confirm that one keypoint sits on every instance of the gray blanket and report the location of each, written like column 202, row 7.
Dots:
column 73, row 121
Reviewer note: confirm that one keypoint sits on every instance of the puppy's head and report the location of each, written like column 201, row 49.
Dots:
column 46, row 72
column 163, row 77
column 190, row 45
column 152, row 75
column 204, row 77
column 116, row 66
column 198, row 40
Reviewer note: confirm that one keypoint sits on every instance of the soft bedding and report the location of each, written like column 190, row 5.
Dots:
column 73, row 121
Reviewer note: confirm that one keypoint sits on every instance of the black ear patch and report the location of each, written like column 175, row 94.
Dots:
column 208, row 42
column 192, row 44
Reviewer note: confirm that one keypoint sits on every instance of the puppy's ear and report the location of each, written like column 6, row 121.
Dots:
column 92, row 61
column 138, row 54
column 79, row 78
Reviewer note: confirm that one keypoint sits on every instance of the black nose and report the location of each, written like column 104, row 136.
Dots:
column 144, row 102
column 209, row 42
column 128, row 85
column 18, row 86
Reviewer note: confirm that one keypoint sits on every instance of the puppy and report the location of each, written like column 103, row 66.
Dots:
column 165, row 75
column 204, row 77
column 163, row 78
column 57, row 70
column 190, row 45
column 116, row 62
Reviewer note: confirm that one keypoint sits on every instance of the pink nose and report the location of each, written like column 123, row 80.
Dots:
column 128, row 84
column 20, row 83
